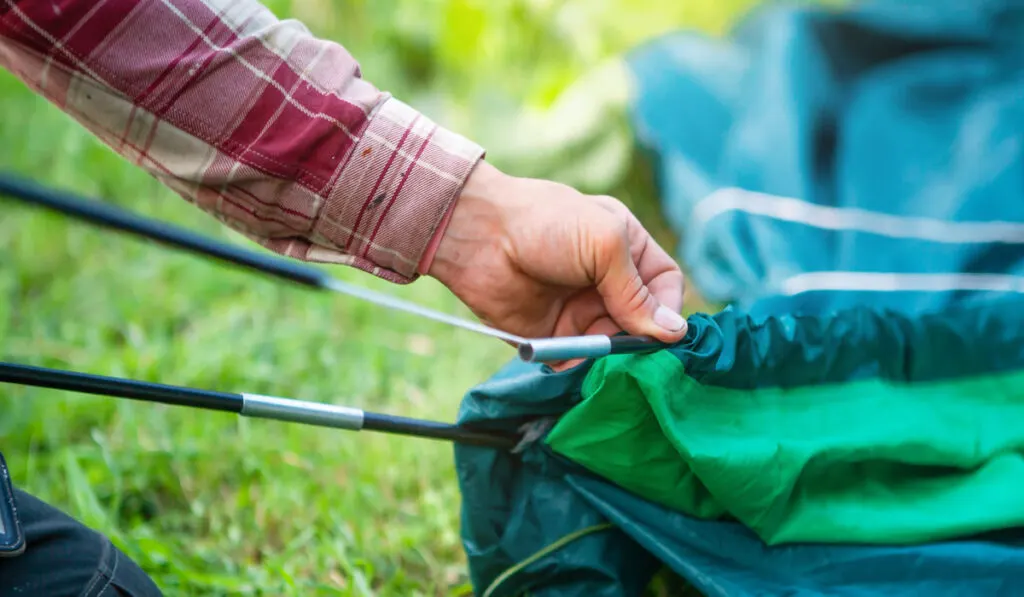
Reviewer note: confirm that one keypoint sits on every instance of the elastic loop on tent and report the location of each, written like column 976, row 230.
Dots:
column 567, row 539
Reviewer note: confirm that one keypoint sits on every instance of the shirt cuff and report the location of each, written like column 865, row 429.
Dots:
column 389, row 205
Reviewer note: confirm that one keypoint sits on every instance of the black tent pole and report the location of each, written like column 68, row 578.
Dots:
column 250, row 405
column 111, row 216
column 117, row 218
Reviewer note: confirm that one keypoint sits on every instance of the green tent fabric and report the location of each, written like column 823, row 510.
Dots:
column 876, row 460
column 602, row 495
column 849, row 182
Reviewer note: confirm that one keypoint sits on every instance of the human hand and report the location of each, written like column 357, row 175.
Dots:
column 537, row 259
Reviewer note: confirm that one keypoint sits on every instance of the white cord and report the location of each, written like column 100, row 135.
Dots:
column 396, row 303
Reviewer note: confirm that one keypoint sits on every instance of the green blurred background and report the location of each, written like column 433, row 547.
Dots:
column 210, row 504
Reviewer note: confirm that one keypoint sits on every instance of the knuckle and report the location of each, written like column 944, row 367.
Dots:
column 607, row 200
column 611, row 231
column 605, row 237
column 613, row 201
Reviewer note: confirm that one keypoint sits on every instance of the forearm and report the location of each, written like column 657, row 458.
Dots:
column 252, row 119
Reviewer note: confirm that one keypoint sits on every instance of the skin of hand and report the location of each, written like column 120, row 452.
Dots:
column 538, row 258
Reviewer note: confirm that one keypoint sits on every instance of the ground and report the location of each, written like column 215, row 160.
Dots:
column 211, row 504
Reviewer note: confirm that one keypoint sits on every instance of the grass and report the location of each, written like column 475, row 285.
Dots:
column 210, row 504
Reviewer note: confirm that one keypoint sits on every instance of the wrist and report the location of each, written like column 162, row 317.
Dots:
column 473, row 223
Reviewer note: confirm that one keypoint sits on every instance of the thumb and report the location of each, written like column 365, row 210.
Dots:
column 628, row 299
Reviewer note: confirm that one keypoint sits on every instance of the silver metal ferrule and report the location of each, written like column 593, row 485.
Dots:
column 301, row 411
column 563, row 349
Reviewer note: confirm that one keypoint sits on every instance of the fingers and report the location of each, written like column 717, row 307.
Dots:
column 657, row 268
column 584, row 314
column 662, row 275
column 628, row 298
column 581, row 313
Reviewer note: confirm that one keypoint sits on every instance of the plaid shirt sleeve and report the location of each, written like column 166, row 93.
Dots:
column 252, row 119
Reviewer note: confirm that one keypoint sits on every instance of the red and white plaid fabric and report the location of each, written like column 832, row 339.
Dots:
column 251, row 118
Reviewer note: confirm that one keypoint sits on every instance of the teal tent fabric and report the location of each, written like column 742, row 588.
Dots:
column 883, row 138
column 850, row 182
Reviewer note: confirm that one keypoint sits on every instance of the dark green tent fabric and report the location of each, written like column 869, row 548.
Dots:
column 518, row 509
column 927, row 451
column 849, row 181
column 541, row 522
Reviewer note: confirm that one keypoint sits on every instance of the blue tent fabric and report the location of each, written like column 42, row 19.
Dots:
column 901, row 121
column 817, row 162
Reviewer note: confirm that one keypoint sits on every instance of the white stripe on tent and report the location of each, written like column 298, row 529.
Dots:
column 843, row 218
column 892, row 282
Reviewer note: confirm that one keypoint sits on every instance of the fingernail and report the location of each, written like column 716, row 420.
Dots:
column 668, row 319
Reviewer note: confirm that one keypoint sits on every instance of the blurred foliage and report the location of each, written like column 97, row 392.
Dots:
column 529, row 79
column 213, row 505
column 513, row 52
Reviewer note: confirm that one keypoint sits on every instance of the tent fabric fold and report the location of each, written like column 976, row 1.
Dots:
column 820, row 435
column 848, row 181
